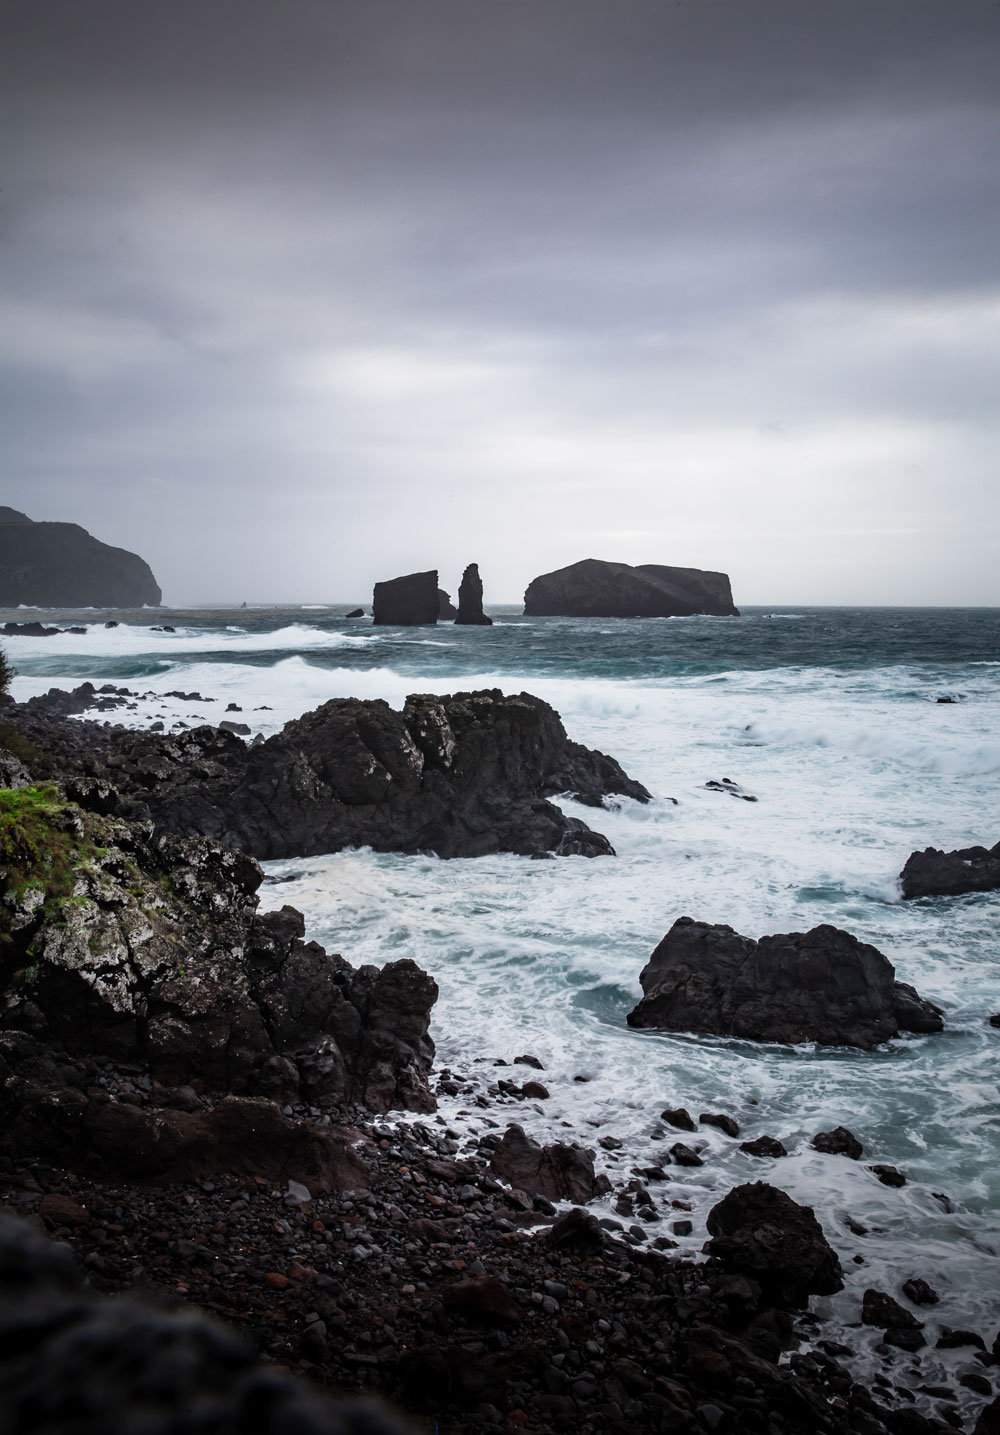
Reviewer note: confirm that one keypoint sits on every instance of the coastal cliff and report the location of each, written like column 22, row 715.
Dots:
column 61, row 565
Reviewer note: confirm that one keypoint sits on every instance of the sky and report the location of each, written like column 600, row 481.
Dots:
column 296, row 297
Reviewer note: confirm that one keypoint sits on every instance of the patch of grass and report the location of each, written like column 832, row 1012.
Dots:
column 39, row 846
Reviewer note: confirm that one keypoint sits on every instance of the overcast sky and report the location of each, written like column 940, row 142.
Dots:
column 296, row 296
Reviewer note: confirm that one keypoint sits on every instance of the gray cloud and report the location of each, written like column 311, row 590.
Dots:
column 298, row 297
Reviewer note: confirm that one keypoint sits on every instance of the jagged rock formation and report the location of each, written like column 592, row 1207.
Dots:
column 61, row 565
column 64, row 1368
column 594, row 588
column 823, row 986
column 460, row 776
column 933, row 873
column 560, row 1172
column 407, row 602
column 137, row 947
column 470, row 599
column 447, row 611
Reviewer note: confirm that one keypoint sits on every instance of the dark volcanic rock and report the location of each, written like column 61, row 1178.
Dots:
column 768, row 1146
column 760, row 1232
column 408, row 601
column 355, row 613
column 73, row 1362
column 470, row 599
column 116, row 942
column 933, row 873
column 597, row 589
column 446, row 609
column 838, row 1142
column 60, row 565
column 559, row 1172
column 459, row 776
column 823, row 986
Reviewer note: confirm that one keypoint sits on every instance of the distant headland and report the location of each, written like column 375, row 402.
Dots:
column 61, row 565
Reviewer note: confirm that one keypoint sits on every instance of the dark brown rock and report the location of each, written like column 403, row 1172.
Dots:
column 760, row 1232
column 485, row 1298
column 823, row 986
column 838, row 1142
column 559, row 1172
column 720, row 1121
column 764, row 1146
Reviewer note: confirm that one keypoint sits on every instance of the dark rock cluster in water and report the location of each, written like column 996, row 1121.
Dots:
column 933, row 873
column 823, row 986
column 61, row 565
column 459, row 775
column 594, row 588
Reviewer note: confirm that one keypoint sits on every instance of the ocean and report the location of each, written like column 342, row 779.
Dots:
column 833, row 720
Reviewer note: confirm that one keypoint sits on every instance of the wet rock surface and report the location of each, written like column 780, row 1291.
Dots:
column 933, row 873
column 461, row 775
column 823, row 986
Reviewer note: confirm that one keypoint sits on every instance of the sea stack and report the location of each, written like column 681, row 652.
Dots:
column 470, row 599
column 407, row 602
column 594, row 588
column 61, row 565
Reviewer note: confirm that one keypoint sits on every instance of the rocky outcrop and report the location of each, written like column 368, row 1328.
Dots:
column 135, row 947
column 470, row 599
column 64, row 1368
column 759, row 1232
column 559, row 1172
column 407, row 602
column 933, row 873
column 60, row 565
column 822, row 986
column 594, row 588
column 459, row 776
column 447, row 612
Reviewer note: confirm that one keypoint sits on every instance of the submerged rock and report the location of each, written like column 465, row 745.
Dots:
column 594, row 588
column 459, row 776
column 933, row 873
column 470, row 599
column 61, row 565
column 408, row 601
column 823, row 986
column 760, row 1232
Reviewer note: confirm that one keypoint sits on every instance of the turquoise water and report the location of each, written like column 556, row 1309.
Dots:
column 831, row 718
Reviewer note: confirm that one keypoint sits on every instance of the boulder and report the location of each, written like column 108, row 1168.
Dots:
column 594, row 588
column 933, row 873
column 765, row 1146
column 760, row 1232
column 355, row 613
column 558, row 1172
column 119, row 943
column 61, row 565
column 820, row 986
column 470, row 599
column 838, row 1142
column 459, row 776
column 407, row 602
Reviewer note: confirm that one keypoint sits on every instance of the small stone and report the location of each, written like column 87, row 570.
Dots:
column 721, row 1121
column 888, row 1175
column 919, row 1292
column 535, row 1091
column 678, row 1117
column 764, row 1146
column 276, row 1281
column 684, row 1156
column 682, row 1228
column 610, row 1143
column 528, row 1060
column 60, row 1210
